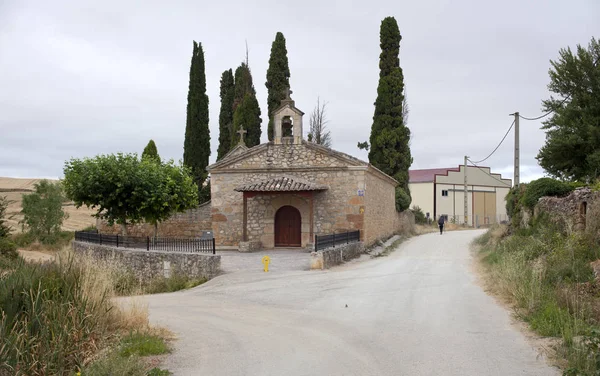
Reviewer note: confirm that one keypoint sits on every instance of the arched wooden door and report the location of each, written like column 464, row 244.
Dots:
column 288, row 227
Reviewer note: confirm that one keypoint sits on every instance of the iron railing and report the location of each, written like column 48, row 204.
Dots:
column 326, row 241
column 149, row 243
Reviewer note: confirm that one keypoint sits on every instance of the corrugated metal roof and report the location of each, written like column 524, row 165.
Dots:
column 282, row 184
column 426, row 176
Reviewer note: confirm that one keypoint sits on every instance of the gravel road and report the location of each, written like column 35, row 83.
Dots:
column 416, row 312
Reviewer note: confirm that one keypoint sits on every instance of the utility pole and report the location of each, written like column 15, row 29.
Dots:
column 517, row 173
column 466, row 194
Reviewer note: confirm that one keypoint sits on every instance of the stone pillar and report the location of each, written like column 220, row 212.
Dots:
column 245, row 221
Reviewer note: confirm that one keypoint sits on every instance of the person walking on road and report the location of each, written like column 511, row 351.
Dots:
column 441, row 224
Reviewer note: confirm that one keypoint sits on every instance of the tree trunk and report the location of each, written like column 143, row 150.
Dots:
column 124, row 229
column 155, row 230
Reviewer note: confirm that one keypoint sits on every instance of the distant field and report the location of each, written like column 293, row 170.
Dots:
column 14, row 189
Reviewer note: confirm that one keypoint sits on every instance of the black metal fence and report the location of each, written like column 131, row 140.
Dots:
column 326, row 241
column 149, row 243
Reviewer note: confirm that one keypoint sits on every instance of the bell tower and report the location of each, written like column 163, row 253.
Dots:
column 287, row 122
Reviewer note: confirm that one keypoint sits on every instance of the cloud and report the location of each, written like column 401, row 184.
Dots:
column 84, row 79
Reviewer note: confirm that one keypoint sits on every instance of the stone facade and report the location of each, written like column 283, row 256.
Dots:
column 147, row 265
column 381, row 220
column 189, row 224
column 355, row 191
column 578, row 211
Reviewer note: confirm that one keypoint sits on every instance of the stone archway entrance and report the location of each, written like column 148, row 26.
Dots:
column 288, row 227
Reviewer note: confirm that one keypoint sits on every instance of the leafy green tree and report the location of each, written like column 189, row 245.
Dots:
column 389, row 148
column 42, row 210
column 246, row 109
column 226, row 114
column 196, row 149
column 278, row 78
column 124, row 189
column 151, row 152
column 572, row 148
column 171, row 189
column 4, row 217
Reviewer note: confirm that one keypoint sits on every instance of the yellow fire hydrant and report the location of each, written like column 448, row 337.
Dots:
column 265, row 261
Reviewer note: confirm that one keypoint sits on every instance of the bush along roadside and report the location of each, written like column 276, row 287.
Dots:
column 58, row 318
column 547, row 276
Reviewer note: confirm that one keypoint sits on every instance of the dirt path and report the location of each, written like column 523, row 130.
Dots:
column 36, row 256
column 419, row 311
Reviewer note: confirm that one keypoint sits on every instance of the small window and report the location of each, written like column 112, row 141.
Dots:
column 444, row 193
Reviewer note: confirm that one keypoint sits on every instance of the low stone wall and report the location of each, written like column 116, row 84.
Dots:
column 327, row 258
column 578, row 211
column 189, row 224
column 147, row 265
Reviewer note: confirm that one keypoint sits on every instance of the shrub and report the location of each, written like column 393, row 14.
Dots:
column 54, row 241
column 419, row 215
column 544, row 187
column 8, row 249
column 402, row 199
column 513, row 204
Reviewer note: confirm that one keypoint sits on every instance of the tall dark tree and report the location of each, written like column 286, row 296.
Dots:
column 226, row 114
column 243, row 84
column 196, row 148
column 247, row 115
column 278, row 78
column 151, row 152
column 389, row 142
column 246, row 109
column 572, row 148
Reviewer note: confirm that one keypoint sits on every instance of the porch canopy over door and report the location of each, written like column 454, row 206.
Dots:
column 280, row 185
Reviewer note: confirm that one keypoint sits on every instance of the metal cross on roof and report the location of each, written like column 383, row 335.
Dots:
column 242, row 132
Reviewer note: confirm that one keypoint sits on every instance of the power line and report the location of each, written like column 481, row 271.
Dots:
column 492, row 176
column 547, row 113
column 561, row 103
column 501, row 141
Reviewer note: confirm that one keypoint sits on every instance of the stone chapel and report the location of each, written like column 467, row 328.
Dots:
column 283, row 193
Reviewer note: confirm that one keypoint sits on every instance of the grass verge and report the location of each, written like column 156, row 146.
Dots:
column 59, row 318
column 546, row 276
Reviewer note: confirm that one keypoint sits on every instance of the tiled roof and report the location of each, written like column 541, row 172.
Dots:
column 282, row 184
column 426, row 176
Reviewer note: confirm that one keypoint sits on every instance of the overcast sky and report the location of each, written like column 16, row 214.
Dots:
column 81, row 78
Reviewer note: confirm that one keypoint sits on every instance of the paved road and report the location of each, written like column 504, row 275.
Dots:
column 417, row 312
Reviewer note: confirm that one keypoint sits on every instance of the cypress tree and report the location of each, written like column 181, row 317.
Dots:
column 389, row 150
column 150, row 151
column 246, row 109
column 278, row 78
column 247, row 115
column 196, row 148
column 226, row 114
column 243, row 84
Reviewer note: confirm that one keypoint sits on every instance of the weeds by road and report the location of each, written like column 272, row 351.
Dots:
column 59, row 318
column 547, row 278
